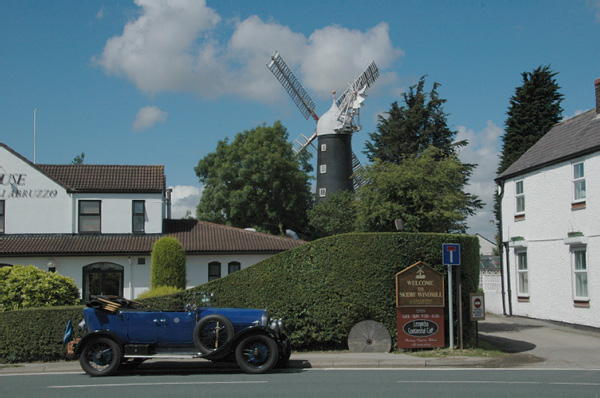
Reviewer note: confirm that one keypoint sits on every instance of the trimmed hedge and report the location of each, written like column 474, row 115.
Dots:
column 36, row 334
column 321, row 290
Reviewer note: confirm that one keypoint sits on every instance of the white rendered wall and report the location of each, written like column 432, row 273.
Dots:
column 548, row 221
column 136, row 277
column 116, row 211
column 33, row 202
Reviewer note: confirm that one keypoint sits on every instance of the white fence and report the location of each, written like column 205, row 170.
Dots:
column 490, row 282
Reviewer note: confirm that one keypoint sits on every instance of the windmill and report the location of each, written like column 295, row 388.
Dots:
column 336, row 163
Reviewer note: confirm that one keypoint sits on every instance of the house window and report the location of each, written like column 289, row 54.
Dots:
column 89, row 216
column 520, row 197
column 323, row 147
column 578, row 182
column 580, row 273
column 214, row 270
column 138, row 216
column 323, row 169
column 1, row 216
column 522, row 274
column 102, row 279
column 322, row 192
column 234, row 266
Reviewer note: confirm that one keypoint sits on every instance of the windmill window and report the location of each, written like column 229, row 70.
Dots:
column 322, row 192
column 323, row 147
column 323, row 169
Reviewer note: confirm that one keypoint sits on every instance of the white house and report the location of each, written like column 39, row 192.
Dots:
column 97, row 224
column 550, row 205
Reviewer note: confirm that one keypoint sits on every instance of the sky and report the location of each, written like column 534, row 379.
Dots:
column 162, row 82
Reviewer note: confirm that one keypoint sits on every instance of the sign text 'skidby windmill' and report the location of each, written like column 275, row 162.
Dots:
column 337, row 164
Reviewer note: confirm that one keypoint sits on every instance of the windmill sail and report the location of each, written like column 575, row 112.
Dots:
column 288, row 80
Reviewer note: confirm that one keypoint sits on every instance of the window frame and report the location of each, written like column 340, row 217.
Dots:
column 322, row 192
column 519, row 197
column 574, row 250
column 135, row 215
column 235, row 265
column 2, row 217
column 214, row 265
column 323, row 169
column 578, row 180
column 81, row 215
column 522, row 271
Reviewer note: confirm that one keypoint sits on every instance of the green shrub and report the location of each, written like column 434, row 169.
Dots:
column 36, row 334
column 159, row 291
column 168, row 263
column 29, row 287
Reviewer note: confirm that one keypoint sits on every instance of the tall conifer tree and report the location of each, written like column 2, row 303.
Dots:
column 534, row 109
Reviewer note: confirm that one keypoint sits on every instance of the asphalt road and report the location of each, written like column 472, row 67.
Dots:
column 316, row 383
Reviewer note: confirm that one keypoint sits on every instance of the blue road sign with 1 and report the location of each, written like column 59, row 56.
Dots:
column 451, row 253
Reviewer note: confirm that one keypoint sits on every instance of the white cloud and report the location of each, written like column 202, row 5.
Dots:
column 184, row 198
column 596, row 5
column 148, row 117
column 483, row 150
column 174, row 47
column 100, row 14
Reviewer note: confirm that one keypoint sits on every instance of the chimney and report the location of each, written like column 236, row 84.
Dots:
column 597, row 84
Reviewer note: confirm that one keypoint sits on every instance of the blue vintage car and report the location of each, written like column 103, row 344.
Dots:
column 122, row 333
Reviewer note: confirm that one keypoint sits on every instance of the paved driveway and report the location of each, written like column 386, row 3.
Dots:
column 543, row 344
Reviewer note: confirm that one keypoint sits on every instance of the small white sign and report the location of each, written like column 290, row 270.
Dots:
column 477, row 307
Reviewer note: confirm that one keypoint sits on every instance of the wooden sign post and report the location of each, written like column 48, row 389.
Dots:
column 420, row 307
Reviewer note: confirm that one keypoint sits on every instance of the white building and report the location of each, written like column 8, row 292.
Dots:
column 551, row 224
column 97, row 224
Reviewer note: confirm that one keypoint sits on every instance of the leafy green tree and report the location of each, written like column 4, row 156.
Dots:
column 28, row 287
column 425, row 191
column 336, row 215
column 168, row 264
column 78, row 159
column 534, row 109
column 256, row 181
column 413, row 127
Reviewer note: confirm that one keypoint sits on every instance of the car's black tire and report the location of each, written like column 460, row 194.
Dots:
column 257, row 353
column 212, row 332
column 100, row 357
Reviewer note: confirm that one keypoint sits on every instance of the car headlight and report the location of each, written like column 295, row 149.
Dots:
column 277, row 326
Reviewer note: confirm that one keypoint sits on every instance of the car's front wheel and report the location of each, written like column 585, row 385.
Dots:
column 100, row 357
column 257, row 354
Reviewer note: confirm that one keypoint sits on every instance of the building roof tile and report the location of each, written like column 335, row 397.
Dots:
column 197, row 237
column 569, row 139
column 107, row 178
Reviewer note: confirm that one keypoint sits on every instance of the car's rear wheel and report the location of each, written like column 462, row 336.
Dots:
column 100, row 357
column 257, row 354
column 212, row 332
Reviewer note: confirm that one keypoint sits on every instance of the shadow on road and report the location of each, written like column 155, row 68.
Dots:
column 493, row 327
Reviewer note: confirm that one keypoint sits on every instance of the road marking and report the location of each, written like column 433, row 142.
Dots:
column 553, row 383
column 157, row 384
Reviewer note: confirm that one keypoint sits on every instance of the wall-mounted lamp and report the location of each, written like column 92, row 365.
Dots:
column 51, row 265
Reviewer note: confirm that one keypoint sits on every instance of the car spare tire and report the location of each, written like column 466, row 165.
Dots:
column 212, row 332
